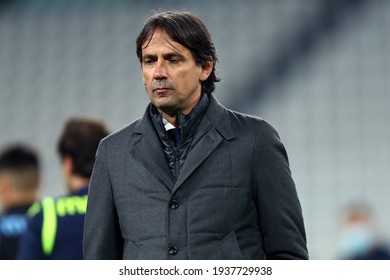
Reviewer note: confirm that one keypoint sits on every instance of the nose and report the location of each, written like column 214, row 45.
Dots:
column 160, row 72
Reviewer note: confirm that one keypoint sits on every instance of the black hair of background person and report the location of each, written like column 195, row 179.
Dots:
column 19, row 184
column 72, row 142
column 55, row 230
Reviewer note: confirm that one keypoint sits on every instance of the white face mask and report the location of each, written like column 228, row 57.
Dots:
column 357, row 240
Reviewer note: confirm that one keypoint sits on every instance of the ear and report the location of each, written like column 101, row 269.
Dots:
column 67, row 165
column 142, row 75
column 207, row 68
column 5, row 184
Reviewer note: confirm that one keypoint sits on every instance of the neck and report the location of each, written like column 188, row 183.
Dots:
column 174, row 120
column 18, row 199
column 172, row 116
column 76, row 183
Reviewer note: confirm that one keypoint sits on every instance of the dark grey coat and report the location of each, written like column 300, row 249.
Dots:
column 234, row 197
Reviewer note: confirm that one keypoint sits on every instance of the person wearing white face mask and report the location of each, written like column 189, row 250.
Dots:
column 359, row 238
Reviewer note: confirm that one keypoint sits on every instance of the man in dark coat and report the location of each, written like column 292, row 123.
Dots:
column 190, row 179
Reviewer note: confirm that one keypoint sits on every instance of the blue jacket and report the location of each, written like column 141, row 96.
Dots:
column 13, row 225
column 55, row 230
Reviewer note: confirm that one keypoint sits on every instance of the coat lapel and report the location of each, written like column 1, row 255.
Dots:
column 145, row 145
column 214, row 127
column 207, row 143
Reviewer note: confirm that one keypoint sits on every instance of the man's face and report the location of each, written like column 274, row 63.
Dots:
column 6, row 187
column 171, row 76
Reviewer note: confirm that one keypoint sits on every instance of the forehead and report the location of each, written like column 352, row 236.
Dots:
column 159, row 40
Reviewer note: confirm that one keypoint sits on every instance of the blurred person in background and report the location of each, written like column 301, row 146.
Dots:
column 360, row 236
column 190, row 179
column 55, row 230
column 19, row 185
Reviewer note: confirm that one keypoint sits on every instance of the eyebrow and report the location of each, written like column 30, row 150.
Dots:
column 165, row 56
column 173, row 55
column 148, row 56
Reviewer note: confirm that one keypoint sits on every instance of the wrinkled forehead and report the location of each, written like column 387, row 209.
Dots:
column 159, row 34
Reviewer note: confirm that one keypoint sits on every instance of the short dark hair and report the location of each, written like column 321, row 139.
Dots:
column 22, row 161
column 187, row 30
column 79, row 140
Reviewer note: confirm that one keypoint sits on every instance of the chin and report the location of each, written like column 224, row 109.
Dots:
column 167, row 109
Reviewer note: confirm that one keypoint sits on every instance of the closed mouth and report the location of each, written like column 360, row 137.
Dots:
column 160, row 88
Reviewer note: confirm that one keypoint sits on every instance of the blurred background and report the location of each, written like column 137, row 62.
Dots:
column 317, row 70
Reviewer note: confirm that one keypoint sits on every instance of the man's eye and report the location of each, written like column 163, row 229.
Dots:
column 148, row 62
column 174, row 60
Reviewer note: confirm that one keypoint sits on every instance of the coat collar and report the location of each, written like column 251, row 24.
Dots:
column 145, row 145
column 216, row 114
column 213, row 128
